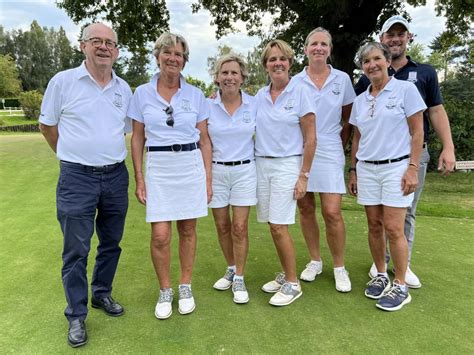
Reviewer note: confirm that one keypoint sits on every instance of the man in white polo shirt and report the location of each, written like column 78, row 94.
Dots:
column 83, row 118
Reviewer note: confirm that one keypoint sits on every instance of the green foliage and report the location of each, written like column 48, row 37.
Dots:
column 134, row 70
column 12, row 102
column 31, row 103
column 416, row 52
column 206, row 89
column 9, row 81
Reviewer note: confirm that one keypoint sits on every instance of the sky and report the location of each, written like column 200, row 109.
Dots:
column 197, row 30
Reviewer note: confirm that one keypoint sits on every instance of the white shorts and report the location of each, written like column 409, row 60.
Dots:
column 175, row 186
column 382, row 184
column 234, row 185
column 276, row 180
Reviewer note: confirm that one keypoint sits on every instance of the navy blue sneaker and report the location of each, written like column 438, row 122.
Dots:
column 394, row 299
column 377, row 287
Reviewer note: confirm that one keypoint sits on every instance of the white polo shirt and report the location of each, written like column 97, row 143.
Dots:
column 336, row 92
column 91, row 120
column 278, row 132
column 232, row 136
column 148, row 107
column 382, row 121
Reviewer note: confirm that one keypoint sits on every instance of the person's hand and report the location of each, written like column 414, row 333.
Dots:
column 300, row 188
column 352, row 184
column 410, row 180
column 140, row 190
column 209, row 191
column 446, row 162
column 213, row 95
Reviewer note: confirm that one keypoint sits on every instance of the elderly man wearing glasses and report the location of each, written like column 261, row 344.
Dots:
column 83, row 118
column 170, row 121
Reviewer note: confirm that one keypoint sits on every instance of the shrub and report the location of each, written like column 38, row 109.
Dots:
column 12, row 102
column 31, row 103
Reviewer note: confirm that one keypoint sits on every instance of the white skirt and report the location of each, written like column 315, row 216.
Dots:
column 175, row 186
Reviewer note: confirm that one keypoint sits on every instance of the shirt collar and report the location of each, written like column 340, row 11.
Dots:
column 304, row 75
column 388, row 87
column 82, row 72
column 156, row 76
column 245, row 98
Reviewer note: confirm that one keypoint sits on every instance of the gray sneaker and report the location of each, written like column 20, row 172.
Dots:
column 377, row 287
column 163, row 307
column 394, row 299
column 275, row 285
column 225, row 282
column 286, row 295
column 240, row 291
column 186, row 300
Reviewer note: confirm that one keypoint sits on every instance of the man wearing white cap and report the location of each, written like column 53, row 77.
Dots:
column 396, row 35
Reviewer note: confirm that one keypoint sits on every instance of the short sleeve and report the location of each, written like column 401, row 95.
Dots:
column 203, row 108
column 433, row 92
column 51, row 104
column 353, row 117
column 306, row 104
column 134, row 108
column 413, row 101
column 349, row 93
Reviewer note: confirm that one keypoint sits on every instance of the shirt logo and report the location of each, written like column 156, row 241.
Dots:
column 186, row 105
column 246, row 117
column 336, row 89
column 412, row 77
column 289, row 105
column 391, row 103
column 117, row 100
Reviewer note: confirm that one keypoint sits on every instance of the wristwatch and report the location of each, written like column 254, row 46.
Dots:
column 305, row 174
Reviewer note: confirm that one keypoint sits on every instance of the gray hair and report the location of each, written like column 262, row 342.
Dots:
column 368, row 47
column 169, row 39
column 231, row 57
column 86, row 32
column 318, row 30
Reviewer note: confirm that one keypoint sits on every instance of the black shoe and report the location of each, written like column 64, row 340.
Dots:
column 77, row 335
column 109, row 305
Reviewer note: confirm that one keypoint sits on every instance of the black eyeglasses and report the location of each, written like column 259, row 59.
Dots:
column 169, row 113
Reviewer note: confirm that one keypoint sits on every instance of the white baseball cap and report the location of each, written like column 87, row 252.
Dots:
column 392, row 21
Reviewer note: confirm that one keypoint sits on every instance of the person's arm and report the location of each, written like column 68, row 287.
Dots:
column 346, row 127
column 206, row 150
column 138, row 143
column 352, row 184
column 51, row 135
column 308, row 129
column 440, row 122
column 410, row 178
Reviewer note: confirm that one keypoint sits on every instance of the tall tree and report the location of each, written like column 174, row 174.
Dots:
column 10, row 84
column 135, row 69
column 350, row 22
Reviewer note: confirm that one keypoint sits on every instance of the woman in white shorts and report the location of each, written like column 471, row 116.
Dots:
column 169, row 120
column 231, row 127
column 387, row 144
column 284, row 149
column 333, row 94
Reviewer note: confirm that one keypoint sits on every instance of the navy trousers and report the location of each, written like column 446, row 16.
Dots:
column 86, row 197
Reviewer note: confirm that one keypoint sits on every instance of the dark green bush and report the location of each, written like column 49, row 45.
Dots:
column 12, row 102
column 31, row 103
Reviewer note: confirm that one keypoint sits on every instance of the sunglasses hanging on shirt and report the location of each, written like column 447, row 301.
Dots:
column 169, row 113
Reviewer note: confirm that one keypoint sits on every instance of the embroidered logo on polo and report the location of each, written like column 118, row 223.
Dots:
column 336, row 89
column 246, row 117
column 412, row 77
column 117, row 100
column 186, row 105
column 289, row 105
column 392, row 103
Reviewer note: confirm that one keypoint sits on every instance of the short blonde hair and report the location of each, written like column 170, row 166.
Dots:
column 231, row 57
column 281, row 45
column 169, row 39
column 318, row 30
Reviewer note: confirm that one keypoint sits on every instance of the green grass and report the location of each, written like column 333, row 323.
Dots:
column 10, row 120
column 439, row 319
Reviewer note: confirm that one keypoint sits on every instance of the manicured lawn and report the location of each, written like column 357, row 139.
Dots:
column 12, row 120
column 439, row 319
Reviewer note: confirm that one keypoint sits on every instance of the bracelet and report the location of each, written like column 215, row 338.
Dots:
column 413, row 164
column 352, row 169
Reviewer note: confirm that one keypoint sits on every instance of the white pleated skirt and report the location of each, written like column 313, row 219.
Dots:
column 175, row 186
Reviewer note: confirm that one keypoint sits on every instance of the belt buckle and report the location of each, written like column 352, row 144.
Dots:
column 176, row 148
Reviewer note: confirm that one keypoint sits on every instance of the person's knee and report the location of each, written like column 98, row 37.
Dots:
column 187, row 231
column 375, row 226
column 222, row 227
column 306, row 207
column 394, row 231
column 160, row 240
column 278, row 230
column 239, row 230
column 332, row 216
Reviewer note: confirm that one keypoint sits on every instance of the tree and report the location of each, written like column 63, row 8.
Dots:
column 206, row 89
column 447, row 46
column 416, row 52
column 10, row 84
column 135, row 69
column 350, row 22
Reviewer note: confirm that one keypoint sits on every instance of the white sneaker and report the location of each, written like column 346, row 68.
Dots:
column 286, row 295
column 225, row 281
column 186, row 300
column 240, row 291
column 163, row 307
column 373, row 270
column 411, row 279
column 343, row 283
column 275, row 285
column 312, row 270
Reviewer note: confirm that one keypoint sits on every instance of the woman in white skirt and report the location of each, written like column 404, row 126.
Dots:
column 387, row 145
column 332, row 93
column 284, row 149
column 169, row 120
column 231, row 127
